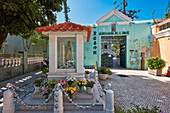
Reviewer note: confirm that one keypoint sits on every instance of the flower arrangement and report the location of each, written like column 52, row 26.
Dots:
column 46, row 92
column 80, row 83
column 90, row 84
column 70, row 80
column 52, row 83
column 63, row 82
column 70, row 91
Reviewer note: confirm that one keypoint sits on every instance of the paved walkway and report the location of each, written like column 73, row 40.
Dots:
column 139, row 88
column 24, row 81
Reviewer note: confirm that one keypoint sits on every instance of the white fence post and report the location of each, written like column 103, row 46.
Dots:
column 8, row 102
column 96, row 75
column 58, row 100
column 109, row 101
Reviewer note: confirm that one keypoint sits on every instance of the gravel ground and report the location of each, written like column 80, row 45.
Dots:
column 139, row 88
column 24, row 81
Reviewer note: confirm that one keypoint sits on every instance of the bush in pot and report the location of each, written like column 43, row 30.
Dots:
column 155, row 65
column 87, row 74
column 103, row 73
column 37, row 84
column 89, row 86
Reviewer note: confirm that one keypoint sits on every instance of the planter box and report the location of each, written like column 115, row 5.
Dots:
column 103, row 76
column 156, row 72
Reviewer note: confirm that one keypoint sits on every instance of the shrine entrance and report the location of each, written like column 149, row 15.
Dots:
column 113, row 53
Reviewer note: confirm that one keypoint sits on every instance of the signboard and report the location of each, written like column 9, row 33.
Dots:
column 114, row 33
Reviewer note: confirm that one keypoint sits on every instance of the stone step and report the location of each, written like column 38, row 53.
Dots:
column 85, row 111
column 71, row 107
column 46, row 107
column 34, row 112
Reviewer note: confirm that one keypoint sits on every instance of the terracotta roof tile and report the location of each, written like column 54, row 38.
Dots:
column 67, row 26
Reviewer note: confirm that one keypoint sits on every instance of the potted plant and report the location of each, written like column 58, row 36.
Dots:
column 80, row 83
column 63, row 82
column 45, row 70
column 155, row 65
column 89, row 86
column 71, row 81
column 70, row 91
column 87, row 74
column 52, row 83
column 46, row 92
column 103, row 73
column 37, row 84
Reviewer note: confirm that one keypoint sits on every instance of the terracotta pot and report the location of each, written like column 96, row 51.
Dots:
column 89, row 90
column 103, row 76
column 156, row 72
column 37, row 89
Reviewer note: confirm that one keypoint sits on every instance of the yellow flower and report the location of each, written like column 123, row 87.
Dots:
column 66, row 89
column 82, row 83
column 79, row 83
column 74, row 88
column 72, row 91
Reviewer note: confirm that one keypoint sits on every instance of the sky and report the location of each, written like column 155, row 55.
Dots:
column 89, row 11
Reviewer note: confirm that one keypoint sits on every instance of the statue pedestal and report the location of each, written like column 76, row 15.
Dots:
column 62, row 75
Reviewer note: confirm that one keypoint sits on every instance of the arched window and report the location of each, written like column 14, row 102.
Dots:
column 113, row 27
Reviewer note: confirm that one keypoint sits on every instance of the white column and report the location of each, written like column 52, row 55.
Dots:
column 60, row 52
column 8, row 102
column 109, row 101
column 79, row 53
column 52, row 53
column 63, row 52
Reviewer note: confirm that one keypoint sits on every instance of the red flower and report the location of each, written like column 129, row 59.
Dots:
column 62, row 81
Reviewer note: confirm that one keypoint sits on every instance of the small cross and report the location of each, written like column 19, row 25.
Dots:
column 103, row 29
column 113, row 18
column 123, row 28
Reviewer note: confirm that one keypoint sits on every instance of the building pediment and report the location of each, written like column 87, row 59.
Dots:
column 112, row 17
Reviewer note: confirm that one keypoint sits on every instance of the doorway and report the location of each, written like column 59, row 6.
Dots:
column 115, row 56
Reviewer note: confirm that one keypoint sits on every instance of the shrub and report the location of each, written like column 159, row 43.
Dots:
column 156, row 63
column 38, row 82
column 138, row 109
column 45, row 70
column 103, row 70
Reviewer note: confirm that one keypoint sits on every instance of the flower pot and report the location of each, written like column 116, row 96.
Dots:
column 37, row 89
column 87, row 76
column 156, row 72
column 103, row 76
column 89, row 90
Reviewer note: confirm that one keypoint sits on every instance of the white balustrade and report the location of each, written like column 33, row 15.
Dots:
column 10, row 62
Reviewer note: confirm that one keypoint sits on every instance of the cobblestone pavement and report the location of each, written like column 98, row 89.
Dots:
column 139, row 88
column 24, row 81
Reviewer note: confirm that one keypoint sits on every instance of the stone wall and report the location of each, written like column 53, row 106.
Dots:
column 18, row 64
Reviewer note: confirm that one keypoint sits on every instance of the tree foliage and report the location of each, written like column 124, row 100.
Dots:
column 22, row 17
column 66, row 10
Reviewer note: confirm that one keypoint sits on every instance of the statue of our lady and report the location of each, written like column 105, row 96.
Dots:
column 69, row 52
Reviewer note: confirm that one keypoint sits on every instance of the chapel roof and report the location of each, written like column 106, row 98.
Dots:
column 67, row 26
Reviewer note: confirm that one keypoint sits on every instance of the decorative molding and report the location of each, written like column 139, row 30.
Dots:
column 165, row 33
column 115, row 12
column 104, row 24
column 164, row 22
column 123, row 23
